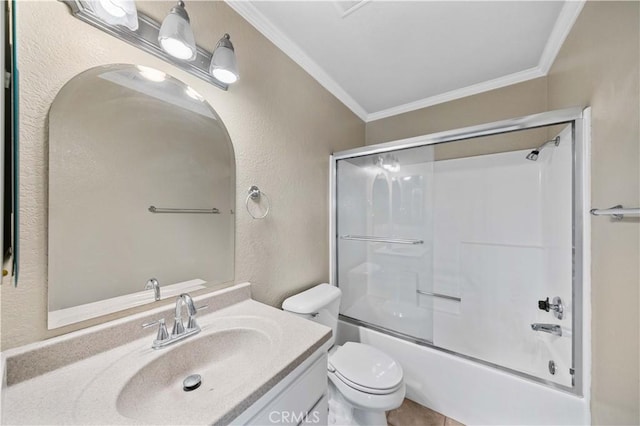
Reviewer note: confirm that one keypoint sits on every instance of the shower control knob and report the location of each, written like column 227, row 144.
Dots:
column 543, row 305
column 557, row 307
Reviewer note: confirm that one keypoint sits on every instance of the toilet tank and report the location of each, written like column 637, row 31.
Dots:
column 320, row 304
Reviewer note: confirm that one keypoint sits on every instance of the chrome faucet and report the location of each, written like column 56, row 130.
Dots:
column 178, row 327
column 153, row 284
column 179, row 332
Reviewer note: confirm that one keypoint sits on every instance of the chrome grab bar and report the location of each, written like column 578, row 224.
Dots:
column 554, row 329
column 442, row 296
column 154, row 209
column 380, row 239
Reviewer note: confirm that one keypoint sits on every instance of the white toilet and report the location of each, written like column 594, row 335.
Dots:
column 364, row 382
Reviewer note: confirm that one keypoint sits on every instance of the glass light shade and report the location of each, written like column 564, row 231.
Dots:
column 223, row 65
column 116, row 12
column 176, row 36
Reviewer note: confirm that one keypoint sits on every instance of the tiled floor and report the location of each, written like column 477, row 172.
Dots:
column 414, row 414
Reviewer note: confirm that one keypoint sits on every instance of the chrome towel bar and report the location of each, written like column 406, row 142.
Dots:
column 618, row 212
column 154, row 209
column 380, row 239
column 441, row 296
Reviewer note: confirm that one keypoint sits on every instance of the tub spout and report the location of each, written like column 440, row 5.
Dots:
column 554, row 329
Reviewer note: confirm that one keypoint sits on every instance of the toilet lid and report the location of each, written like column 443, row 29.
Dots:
column 366, row 366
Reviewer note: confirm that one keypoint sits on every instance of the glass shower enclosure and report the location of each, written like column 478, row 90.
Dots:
column 469, row 241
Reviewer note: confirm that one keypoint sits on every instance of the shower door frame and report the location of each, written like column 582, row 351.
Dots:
column 580, row 120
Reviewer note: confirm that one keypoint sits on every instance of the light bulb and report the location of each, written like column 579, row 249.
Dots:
column 176, row 48
column 225, row 76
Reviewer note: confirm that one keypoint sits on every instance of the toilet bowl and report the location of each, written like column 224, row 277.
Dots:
column 364, row 382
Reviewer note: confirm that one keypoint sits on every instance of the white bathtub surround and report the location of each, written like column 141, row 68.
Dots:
column 502, row 243
column 103, row 374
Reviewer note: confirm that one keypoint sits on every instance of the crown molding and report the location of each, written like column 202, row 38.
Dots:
column 561, row 30
column 567, row 17
column 291, row 49
column 452, row 95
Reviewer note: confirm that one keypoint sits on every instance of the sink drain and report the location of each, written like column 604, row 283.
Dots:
column 192, row 382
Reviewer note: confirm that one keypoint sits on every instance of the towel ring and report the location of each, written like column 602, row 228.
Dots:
column 255, row 194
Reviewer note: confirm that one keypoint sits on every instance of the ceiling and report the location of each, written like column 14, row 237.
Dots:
column 383, row 58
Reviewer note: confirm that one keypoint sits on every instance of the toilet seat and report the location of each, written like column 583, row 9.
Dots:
column 366, row 369
column 368, row 401
column 365, row 389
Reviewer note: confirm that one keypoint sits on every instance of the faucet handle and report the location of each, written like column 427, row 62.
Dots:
column 163, row 334
column 556, row 306
column 178, row 327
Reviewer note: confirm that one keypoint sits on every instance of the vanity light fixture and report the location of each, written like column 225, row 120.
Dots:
column 223, row 63
column 116, row 12
column 176, row 36
column 172, row 40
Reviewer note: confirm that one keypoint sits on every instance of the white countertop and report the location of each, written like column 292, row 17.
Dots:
column 86, row 391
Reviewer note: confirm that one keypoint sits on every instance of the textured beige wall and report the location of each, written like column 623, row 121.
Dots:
column 283, row 125
column 599, row 66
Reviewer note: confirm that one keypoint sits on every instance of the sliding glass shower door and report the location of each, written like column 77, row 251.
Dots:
column 466, row 246
column 385, row 239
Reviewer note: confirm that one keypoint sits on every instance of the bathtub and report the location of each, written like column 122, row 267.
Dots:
column 470, row 392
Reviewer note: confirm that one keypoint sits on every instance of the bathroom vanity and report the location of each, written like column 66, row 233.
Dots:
column 257, row 364
column 142, row 151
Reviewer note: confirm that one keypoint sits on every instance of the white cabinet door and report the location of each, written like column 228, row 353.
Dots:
column 292, row 401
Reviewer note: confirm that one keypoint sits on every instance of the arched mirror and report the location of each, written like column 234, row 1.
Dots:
column 141, row 187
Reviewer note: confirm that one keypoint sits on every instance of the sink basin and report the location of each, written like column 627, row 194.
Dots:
column 225, row 360
column 229, row 354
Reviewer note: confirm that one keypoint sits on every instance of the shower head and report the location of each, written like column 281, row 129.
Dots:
column 533, row 155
